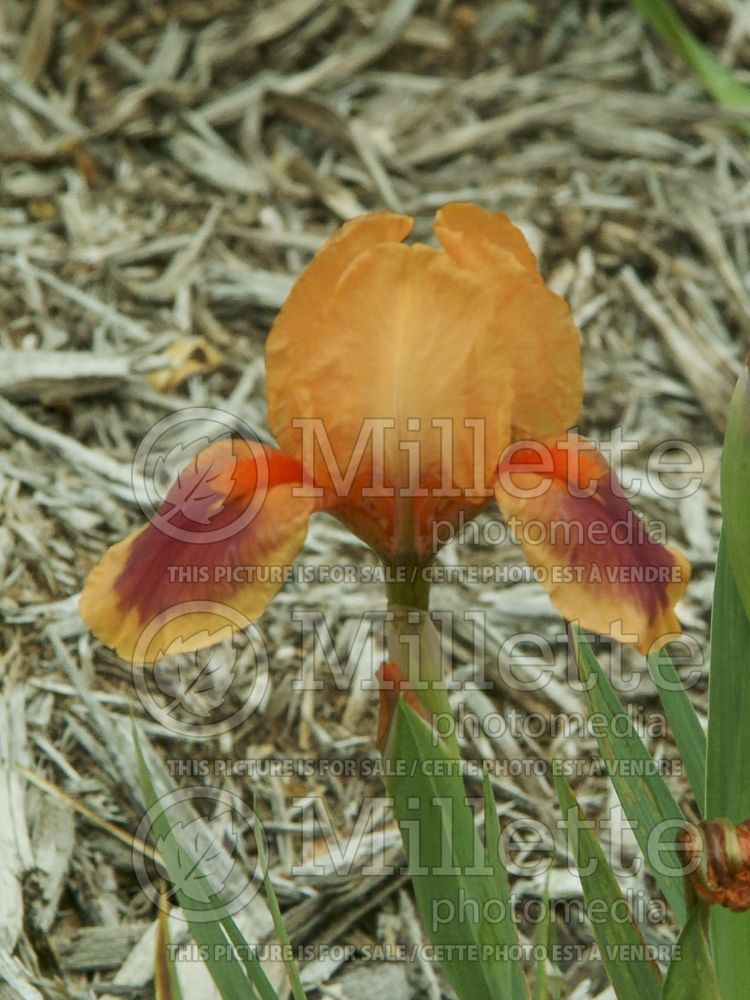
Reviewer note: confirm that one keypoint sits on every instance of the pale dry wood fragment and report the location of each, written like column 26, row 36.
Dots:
column 601, row 134
column 53, row 840
column 269, row 23
column 687, row 352
column 490, row 132
column 17, row 88
column 418, row 947
column 169, row 53
column 16, row 977
column 239, row 284
column 334, row 67
column 428, row 33
column 37, row 43
column 73, row 451
column 106, row 312
column 137, row 969
column 132, row 250
column 16, row 855
column 223, row 169
column 389, row 979
column 57, row 374
column 179, row 269
column 96, row 949
column 115, row 734
column 706, row 231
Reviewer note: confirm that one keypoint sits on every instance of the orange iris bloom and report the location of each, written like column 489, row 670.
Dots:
column 398, row 376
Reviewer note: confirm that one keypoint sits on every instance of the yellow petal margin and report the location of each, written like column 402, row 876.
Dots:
column 216, row 552
column 588, row 546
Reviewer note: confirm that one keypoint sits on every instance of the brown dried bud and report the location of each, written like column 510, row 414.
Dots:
column 718, row 856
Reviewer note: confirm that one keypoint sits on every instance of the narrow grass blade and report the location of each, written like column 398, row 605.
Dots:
column 727, row 785
column 253, row 969
column 643, row 793
column 735, row 486
column 166, row 983
column 720, row 82
column 455, row 888
column 235, row 977
column 683, row 721
column 691, row 972
column 632, row 974
column 541, row 979
column 495, row 858
column 278, row 921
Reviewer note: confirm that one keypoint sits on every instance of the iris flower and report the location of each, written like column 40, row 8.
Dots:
column 408, row 387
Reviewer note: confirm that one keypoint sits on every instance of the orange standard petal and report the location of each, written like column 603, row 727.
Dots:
column 466, row 231
column 534, row 326
column 401, row 394
column 293, row 337
column 587, row 544
column 215, row 553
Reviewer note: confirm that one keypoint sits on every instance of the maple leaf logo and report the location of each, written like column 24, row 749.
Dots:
column 199, row 866
column 201, row 683
column 201, row 486
column 168, row 464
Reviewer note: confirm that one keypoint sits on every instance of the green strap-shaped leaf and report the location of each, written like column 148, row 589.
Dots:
column 469, row 924
column 645, row 798
column 235, row 977
column 728, row 753
column 633, row 974
column 683, row 721
column 735, row 486
column 720, row 82
column 691, row 972
column 495, row 857
column 543, row 935
column 278, row 920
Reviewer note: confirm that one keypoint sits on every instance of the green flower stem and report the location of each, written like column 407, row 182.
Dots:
column 406, row 586
column 414, row 644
